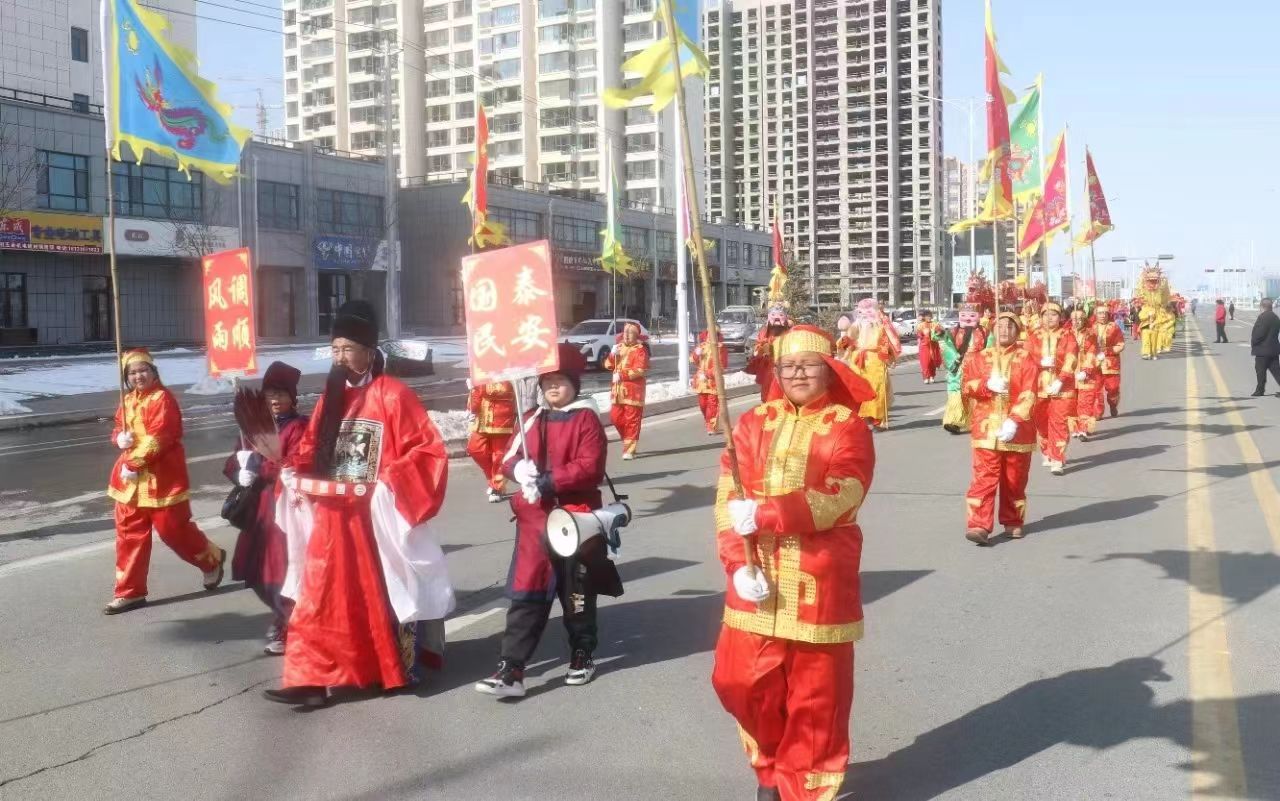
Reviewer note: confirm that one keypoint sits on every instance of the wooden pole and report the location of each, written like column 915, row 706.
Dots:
column 704, row 274
column 115, row 276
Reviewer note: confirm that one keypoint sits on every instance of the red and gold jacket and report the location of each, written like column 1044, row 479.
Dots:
column 1060, row 344
column 494, row 407
column 1110, row 341
column 1087, row 359
column 809, row 469
column 764, row 354
column 631, row 364
column 157, row 455
column 989, row 410
column 704, row 379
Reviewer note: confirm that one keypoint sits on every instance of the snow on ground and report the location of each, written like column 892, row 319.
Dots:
column 212, row 386
column 24, row 379
column 9, row 407
column 910, row 350
column 453, row 424
column 667, row 390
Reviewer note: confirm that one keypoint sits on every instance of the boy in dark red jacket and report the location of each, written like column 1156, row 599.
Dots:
column 564, row 467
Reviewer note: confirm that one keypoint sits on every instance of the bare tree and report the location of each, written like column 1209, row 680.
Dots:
column 19, row 170
column 198, row 237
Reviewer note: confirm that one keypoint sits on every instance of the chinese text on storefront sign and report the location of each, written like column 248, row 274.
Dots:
column 228, row 312
column 510, row 312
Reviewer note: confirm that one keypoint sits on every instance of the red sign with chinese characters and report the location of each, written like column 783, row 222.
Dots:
column 511, row 313
column 228, row 313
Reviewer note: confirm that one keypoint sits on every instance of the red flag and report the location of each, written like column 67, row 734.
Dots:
column 999, row 201
column 483, row 233
column 778, row 277
column 228, row 312
column 1099, row 213
column 1050, row 213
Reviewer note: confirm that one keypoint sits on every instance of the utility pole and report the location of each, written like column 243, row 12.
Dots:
column 389, row 205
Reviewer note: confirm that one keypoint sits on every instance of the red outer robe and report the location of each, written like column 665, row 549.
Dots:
column 930, row 353
column 343, row 631
column 261, row 556
column 574, row 455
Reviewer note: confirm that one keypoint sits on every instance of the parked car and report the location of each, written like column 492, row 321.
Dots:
column 738, row 326
column 951, row 319
column 595, row 338
column 904, row 322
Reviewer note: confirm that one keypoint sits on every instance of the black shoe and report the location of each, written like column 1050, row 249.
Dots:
column 768, row 794
column 1257, row 394
column 313, row 697
column 581, row 668
column 506, row 682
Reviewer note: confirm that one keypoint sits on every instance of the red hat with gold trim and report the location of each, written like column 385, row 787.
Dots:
column 136, row 355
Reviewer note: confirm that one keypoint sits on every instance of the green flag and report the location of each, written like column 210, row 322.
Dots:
column 1025, row 154
column 613, row 258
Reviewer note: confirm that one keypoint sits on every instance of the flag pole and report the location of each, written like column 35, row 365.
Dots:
column 704, row 275
column 105, row 27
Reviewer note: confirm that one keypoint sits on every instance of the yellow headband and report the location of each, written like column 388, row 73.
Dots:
column 1013, row 318
column 136, row 356
column 1051, row 306
column 805, row 342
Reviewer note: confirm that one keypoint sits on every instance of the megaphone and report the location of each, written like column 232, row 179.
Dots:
column 568, row 531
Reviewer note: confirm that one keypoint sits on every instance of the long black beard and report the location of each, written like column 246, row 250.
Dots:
column 335, row 387
column 965, row 339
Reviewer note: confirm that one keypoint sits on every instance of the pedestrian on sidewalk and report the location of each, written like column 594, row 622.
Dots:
column 1231, row 309
column 1000, row 382
column 563, row 465
column 784, row 659
column 150, row 486
column 260, row 558
column 366, row 571
column 1265, row 343
column 1220, row 320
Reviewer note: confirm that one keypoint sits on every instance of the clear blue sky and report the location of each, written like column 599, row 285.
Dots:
column 1179, row 102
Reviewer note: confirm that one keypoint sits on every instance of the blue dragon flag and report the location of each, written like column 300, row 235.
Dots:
column 157, row 102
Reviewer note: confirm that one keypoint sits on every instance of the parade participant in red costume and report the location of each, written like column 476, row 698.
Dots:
column 1088, row 377
column 493, row 410
column 1055, row 350
column 565, row 463
column 762, row 359
column 1000, row 383
column 784, row 659
column 366, row 571
column 930, row 353
column 260, row 557
column 1110, row 341
column 629, row 363
column 150, row 486
column 704, row 379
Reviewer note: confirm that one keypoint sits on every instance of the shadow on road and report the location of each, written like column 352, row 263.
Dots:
column 1116, row 455
column 218, row 628
column 1096, row 708
column 1245, row 576
column 1100, row 512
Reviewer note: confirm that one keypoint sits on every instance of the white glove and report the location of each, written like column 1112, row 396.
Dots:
column 127, row 473
column 530, row 493
column 289, row 478
column 1008, row 430
column 525, row 472
column 469, row 386
column 750, row 584
column 617, row 378
column 245, row 478
column 743, row 515
column 1082, row 376
column 1046, row 361
column 243, row 457
column 124, row 440
column 998, row 384
column 1055, row 387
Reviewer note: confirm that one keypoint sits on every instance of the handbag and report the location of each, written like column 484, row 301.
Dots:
column 240, row 508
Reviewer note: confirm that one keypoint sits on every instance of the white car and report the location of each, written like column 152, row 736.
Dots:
column 595, row 338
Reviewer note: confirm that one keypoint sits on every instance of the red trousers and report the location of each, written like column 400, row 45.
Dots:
column 1002, row 471
column 133, row 543
column 1088, row 409
column 488, row 451
column 1111, row 388
column 1052, row 417
column 627, row 420
column 709, row 402
column 792, row 702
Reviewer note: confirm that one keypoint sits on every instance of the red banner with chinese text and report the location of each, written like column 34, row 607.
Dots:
column 510, row 313
column 228, row 313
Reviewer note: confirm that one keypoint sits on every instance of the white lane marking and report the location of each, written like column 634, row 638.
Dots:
column 933, row 412
column 455, row 624
column 206, row 524
column 25, row 450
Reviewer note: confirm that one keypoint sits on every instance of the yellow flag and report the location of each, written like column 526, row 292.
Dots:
column 658, row 70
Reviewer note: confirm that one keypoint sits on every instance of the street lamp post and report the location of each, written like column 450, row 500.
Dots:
column 969, row 106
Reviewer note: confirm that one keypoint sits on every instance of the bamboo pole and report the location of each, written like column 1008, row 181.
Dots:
column 704, row 274
column 115, row 279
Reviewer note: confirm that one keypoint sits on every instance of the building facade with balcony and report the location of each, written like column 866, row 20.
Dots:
column 825, row 113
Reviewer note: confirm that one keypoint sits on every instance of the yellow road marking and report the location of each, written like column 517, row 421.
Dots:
column 1218, row 767
column 1264, row 488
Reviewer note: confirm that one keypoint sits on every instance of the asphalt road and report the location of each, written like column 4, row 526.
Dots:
column 1125, row 649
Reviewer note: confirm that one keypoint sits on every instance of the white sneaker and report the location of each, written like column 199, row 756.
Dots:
column 1056, row 468
column 506, row 682
column 628, row 456
column 1045, row 462
column 212, row 578
column 493, row 495
column 581, row 669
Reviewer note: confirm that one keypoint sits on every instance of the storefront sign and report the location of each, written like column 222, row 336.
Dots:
column 171, row 238
column 577, row 262
column 228, row 312
column 335, row 252
column 510, row 313
column 49, row 232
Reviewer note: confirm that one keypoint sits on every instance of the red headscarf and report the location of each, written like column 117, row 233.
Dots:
column 847, row 387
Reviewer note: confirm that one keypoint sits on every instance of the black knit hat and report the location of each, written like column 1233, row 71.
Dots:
column 357, row 321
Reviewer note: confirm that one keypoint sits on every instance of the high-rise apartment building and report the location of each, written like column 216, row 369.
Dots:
column 828, row 112
column 539, row 67
column 957, row 201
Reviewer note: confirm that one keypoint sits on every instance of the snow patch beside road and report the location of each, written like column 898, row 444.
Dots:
column 672, row 389
column 10, row 407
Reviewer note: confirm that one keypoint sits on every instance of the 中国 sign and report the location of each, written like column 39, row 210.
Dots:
column 334, row 252
column 228, row 312
column 510, row 312
column 49, row 232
